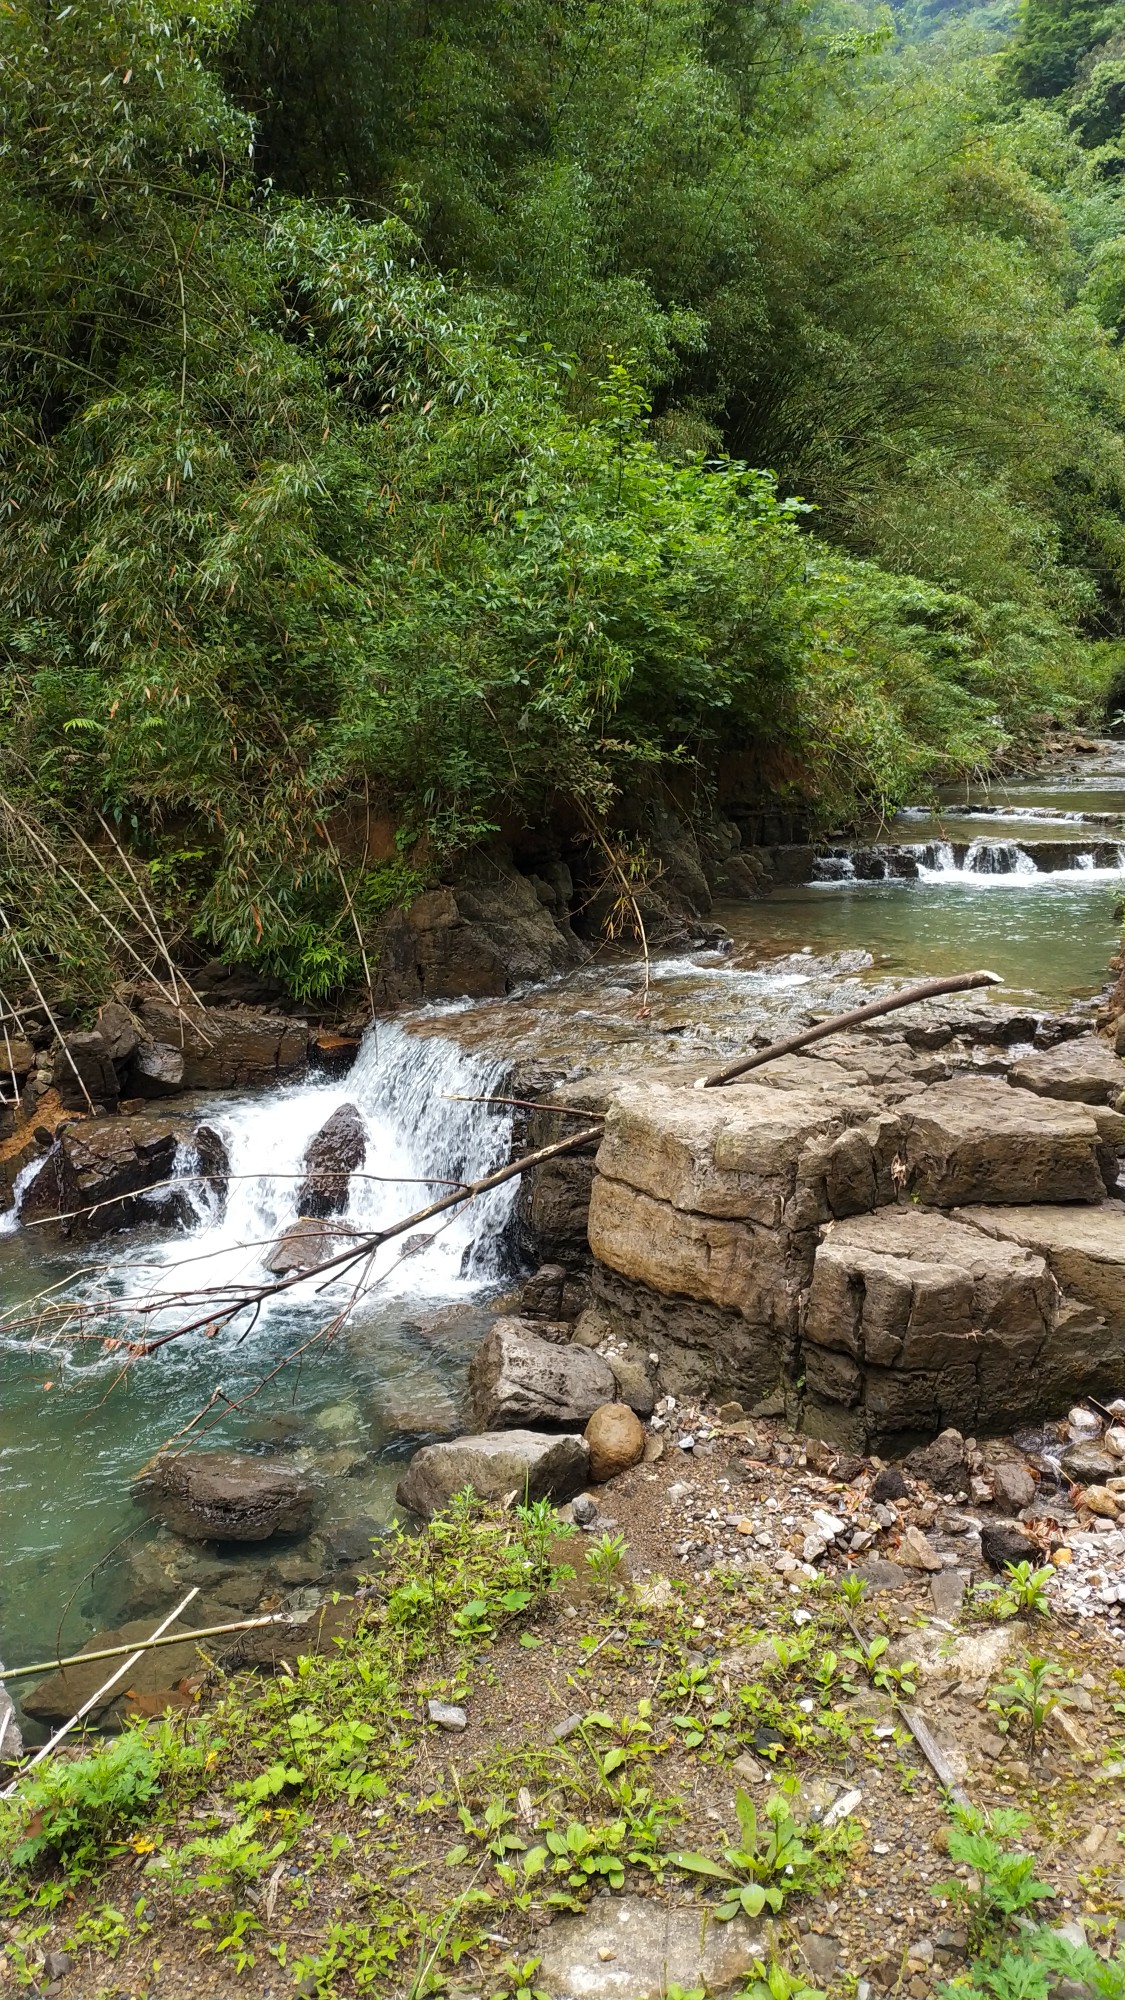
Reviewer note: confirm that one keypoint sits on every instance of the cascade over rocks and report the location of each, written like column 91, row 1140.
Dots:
column 331, row 1157
column 494, row 1464
column 228, row 1496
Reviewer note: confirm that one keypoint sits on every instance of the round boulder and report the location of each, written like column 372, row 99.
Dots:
column 616, row 1439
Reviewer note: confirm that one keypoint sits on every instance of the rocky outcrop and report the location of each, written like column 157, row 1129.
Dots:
column 915, row 1322
column 531, row 1464
column 977, row 1141
column 218, row 1048
column 109, row 1173
column 227, row 1496
column 519, row 1379
column 486, row 934
column 331, row 1157
column 1083, row 1071
column 1084, row 1248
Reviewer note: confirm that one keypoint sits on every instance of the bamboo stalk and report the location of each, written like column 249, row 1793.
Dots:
column 960, row 982
column 95, row 1700
column 114, row 1652
column 16, row 947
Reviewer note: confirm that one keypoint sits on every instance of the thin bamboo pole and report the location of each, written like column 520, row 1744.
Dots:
column 114, row 1652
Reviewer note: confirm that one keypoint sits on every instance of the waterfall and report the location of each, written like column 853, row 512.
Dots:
column 998, row 857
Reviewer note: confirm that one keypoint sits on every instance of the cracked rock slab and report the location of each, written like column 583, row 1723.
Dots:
column 634, row 1948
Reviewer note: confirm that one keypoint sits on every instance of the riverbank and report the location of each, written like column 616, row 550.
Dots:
column 485, row 1785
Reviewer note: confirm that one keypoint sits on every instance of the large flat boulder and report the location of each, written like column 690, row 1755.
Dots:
column 228, row 1496
column 637, row 1948
column 331, row 1158
column 1083, row 1071
column 306, row 1243
column 976, row 1140
column 518, row 1379
column 915, row 1321
column 1085, row 1248
column 531, row 1464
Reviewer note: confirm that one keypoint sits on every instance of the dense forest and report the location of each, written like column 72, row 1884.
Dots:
column 471, row 415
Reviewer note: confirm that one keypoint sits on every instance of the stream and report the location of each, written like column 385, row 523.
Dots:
column 77, row 1554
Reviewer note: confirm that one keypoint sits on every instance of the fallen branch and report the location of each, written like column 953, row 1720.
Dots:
column 935, row 1757
column 131, row 1646
column 961, row 982
column 96, row 1700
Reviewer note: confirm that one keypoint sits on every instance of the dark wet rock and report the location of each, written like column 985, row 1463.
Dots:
column 485, row 934
column 494, row 1464
column 889, row 1484
column 113, row 1162
column 221, row 1496
column 308, row 1243
column 942, row 1464
column 118, row 1031
column 516, row 1378
column 212, row 1161
column 1089, row 1463
column 331, row 1157
column 549, row 1293
column 158, row 1070
column 222, row 1048
column 83, row 1072
column 1003, row 1542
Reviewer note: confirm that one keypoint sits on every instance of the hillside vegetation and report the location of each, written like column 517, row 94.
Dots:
column 474, row 415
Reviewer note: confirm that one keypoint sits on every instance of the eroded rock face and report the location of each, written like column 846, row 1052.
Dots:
column 485, row 935
column 220, row 1048
column 331, row 1157
column 493, row 1464
column 975, row 1140
column 1085, row 1248
column 1083, row 1071
column 517, row 1379
column 111, row 1162
column 227, row 1496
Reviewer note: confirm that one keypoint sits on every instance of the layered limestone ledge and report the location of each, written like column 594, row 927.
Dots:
column 770, row 1230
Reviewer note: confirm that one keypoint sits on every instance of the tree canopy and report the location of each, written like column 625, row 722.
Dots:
column 481, row 413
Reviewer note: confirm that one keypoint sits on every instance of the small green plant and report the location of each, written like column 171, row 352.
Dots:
column 603, row 1560
column 853, row 1590
column 73, row 1810
column 1025, row 1590
column 1028, row 1699
column 230, row 1859
column 770, row 1862
column 776, row 1982
column 517, row 1981
column 869, row 1654
column 1002, row 1884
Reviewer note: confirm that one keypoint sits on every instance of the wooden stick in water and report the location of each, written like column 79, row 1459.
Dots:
column 931, row 989
column 114, row 1652
column 96, row 1700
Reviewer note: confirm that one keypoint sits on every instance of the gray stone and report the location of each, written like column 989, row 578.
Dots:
column 974, row 1140
column 947, row 1591
column 309, row 1242
column 942, row 1464
column 1083, row 1071
column 881, row 1574
column 1084, row 1247
column 1012, row 1484
column 223, row 1047
column 481, row 935
column 653, row 1947
column 118, row 1031
column 157, row 1070
column 331, row 1157
column 516, row 1379
column 1003, row 1542
column 1089, row 1463
column 447, row 1715
column 111, row 1170
column 821, row 1955
column 226, row 1496
column 494, row 1464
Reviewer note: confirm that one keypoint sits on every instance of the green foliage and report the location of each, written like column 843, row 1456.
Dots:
column 765, row 1867
column 1002, row 1885
column 70, row 1813
column 1028, row 1699
column 1026, row 1589
column 776, row 1982
column 603, row 1560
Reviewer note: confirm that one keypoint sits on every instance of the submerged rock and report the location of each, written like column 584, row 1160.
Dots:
column 531, row 1464
column 308, row 1243
column 226, row 1496
column 63, row 1693
column 331, row 1157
